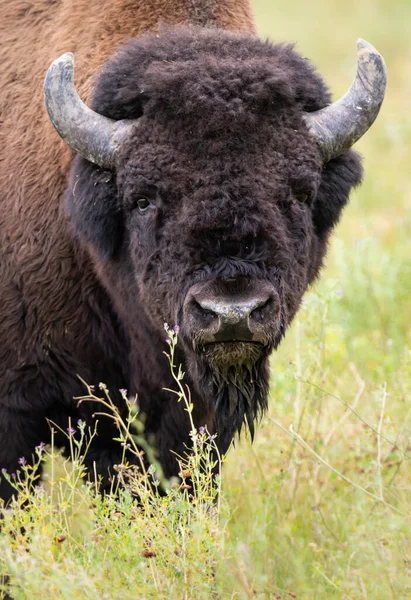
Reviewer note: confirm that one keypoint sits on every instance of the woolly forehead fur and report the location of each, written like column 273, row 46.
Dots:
column 210, row 75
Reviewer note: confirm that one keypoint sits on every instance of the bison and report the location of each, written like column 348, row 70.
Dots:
column 211, row 169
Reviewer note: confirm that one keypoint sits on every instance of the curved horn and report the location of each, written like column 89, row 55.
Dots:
column 338, row 126
column 93, row 136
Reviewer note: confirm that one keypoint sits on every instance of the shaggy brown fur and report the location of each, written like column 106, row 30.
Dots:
column 222, row 153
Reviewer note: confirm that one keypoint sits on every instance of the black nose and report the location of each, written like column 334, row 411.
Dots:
column 228, row 318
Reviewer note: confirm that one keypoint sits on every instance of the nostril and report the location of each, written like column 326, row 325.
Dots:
column 265, row 310
column 202, row 314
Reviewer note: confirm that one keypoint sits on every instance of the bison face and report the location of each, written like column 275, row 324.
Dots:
column 217, row 213
column 219, row 238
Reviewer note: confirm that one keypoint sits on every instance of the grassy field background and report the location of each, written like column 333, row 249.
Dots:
column 342, row 378
column 319, row 506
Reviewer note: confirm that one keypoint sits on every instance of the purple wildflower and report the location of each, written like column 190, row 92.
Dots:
column 22, row 461
column 71, row 431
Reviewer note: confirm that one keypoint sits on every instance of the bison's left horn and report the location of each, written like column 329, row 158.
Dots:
column 93, row 136
column 338, row 126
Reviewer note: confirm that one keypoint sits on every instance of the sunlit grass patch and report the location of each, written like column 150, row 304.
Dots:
column 110, row 547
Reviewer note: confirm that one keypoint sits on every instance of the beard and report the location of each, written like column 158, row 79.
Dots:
column 234, row 377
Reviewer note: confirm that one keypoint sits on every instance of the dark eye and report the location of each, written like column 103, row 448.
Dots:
column 143, row 204
column 302, row 197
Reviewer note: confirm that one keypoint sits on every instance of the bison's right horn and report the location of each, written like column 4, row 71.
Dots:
column 93, row 136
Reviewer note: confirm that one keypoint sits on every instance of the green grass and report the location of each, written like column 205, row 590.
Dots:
column 319, row 506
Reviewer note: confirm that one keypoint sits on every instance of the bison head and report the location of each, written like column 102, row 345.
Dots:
column 212, row 173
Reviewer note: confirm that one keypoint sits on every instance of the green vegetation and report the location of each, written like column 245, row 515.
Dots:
column 319, row 506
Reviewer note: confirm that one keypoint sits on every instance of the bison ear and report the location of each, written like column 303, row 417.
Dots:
column 92, row 206
column 339, row 177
